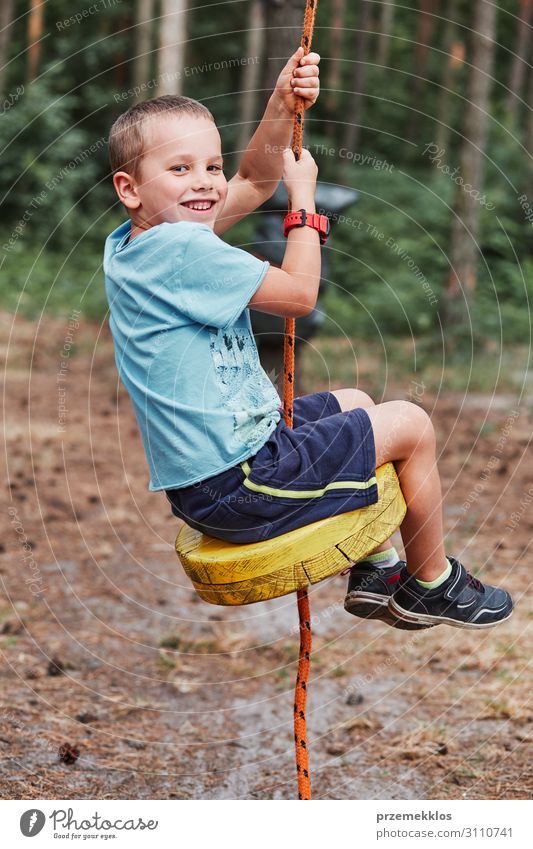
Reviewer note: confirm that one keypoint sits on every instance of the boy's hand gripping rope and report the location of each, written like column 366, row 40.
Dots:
column 300, row 693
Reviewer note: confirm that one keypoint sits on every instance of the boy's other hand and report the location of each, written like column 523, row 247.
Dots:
column 299, row 78
column 299, row 177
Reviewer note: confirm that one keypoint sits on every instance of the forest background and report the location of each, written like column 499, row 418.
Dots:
column 425, row 110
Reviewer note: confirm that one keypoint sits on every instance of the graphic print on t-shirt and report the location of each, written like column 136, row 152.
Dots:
column 244, row 386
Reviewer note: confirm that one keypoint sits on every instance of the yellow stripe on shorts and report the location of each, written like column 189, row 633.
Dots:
column 302, row 493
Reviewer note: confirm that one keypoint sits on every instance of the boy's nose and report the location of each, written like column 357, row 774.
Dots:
column 203, row 180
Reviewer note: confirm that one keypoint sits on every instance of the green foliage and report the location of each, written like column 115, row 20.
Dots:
column 389, row 265
column 391, row 257
column 47, row 168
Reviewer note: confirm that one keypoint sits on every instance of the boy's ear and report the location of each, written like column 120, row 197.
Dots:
column 126, row 189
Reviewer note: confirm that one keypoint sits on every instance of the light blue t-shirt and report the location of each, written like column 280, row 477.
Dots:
column 184, row 349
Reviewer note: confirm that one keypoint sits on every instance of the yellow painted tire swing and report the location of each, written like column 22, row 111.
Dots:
column 228, row 573
column 234, row 574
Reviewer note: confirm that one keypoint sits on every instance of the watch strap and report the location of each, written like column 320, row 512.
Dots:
column 302, row 218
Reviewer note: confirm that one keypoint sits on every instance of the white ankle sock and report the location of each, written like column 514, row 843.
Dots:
column 384, row 559
column 431, row 585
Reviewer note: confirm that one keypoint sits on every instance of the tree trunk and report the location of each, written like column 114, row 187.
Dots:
column 518, row 66
column 465, row 229
column 338, row 11
column 528, row 177
column 172, row 42
column 284, row 24
column 35, row 31
column 6, row 19
column 251, row 75
column 385, row 32
column 454, row 49
column 426, row 23
column 425, row 28
column 353, row 126
column 144, row 14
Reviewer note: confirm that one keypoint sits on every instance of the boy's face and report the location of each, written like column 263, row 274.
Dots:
column 181, row 176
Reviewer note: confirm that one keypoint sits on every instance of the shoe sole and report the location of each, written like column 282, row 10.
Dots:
column 426, row 618
column 371, row 606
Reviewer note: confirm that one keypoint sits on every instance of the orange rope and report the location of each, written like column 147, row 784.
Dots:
column 302, row 679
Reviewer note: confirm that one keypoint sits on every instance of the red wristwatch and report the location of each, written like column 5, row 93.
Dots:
column 301, row 218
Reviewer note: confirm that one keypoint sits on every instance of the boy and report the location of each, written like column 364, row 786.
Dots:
column 210, row 419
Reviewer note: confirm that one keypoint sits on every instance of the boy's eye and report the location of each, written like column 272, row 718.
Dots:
column 216, row 167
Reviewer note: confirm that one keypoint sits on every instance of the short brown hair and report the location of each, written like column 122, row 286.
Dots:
column 126, row 139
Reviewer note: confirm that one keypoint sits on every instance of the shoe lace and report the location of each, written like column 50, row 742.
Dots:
column 474, row 582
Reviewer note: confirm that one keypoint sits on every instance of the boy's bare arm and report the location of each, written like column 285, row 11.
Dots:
column 292, row 290
column 262, row 163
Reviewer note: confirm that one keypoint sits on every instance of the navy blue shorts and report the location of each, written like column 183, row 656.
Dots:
column 322, row 467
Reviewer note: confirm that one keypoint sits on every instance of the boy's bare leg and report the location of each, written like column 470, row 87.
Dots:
column 404, row 434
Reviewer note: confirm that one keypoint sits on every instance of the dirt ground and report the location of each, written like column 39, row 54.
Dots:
column 118, row 683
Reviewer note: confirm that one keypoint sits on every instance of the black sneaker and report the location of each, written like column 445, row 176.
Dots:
column 461, row 601
column 369, row 591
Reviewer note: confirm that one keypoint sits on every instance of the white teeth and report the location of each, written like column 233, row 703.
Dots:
column 204, row 205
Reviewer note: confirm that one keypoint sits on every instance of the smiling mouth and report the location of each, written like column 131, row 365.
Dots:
column 199, row 205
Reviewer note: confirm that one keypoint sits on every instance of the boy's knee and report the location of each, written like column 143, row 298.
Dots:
column 414, row 425
column 422, row 427
column 350, row 399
